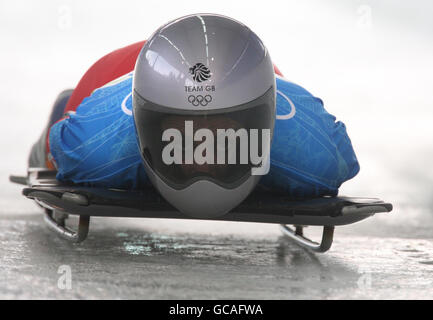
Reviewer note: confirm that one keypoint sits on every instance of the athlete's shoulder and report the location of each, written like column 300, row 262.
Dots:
column 111, row 97
column 111, row 66
column 288, row 87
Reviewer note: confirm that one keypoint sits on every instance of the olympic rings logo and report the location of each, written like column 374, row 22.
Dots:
column 199, row 100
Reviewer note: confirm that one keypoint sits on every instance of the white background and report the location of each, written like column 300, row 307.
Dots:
column 369, row 61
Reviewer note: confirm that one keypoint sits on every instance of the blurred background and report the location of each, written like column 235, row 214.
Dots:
column 371, row 62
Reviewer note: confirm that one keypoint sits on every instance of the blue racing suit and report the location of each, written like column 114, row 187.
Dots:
column 311, row 153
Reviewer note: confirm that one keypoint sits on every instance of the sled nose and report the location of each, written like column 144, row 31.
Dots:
column 205, row 199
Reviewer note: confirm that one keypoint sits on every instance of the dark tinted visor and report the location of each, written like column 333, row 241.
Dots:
column 175, row 148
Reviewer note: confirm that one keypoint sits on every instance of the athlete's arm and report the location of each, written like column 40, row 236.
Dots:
column 311, row 153
column 96, row 144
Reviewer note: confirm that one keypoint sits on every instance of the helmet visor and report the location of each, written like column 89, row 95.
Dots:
column 222, row 145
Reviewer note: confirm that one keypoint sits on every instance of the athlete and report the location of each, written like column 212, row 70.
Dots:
column 210, row 71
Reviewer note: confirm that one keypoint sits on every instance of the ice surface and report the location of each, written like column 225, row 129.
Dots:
column 371, row 65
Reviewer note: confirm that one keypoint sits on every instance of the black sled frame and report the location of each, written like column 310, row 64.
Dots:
column 60, row 200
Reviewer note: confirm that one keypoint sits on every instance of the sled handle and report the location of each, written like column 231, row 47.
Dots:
column 18, row 179
column 66, row 233
column 60, row 228
column 297, row 236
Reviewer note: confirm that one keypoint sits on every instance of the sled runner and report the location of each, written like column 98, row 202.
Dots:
column 60, row 200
